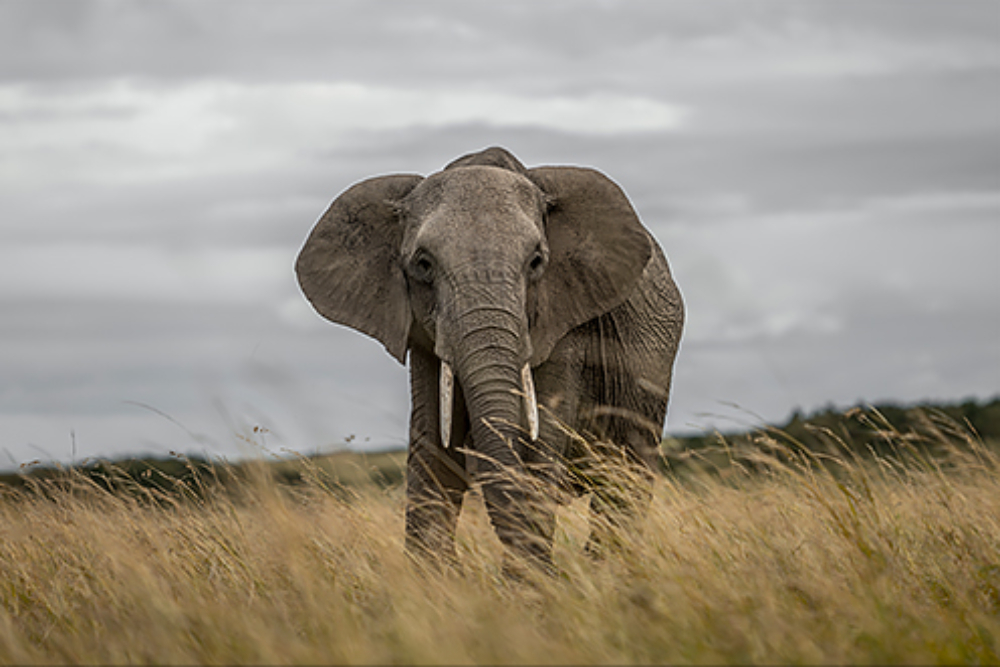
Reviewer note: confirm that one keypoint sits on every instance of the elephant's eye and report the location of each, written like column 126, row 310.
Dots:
column 422, row 268
column 536, row 264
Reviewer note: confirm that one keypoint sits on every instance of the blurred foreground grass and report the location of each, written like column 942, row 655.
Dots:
column 757, row 549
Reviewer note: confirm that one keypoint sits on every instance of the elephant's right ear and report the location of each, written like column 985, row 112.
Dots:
column 349, row 267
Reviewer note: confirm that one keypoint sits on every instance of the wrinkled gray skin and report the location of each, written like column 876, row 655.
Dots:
column 488, row 266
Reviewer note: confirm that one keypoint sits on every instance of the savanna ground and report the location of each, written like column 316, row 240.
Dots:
column 757, row 550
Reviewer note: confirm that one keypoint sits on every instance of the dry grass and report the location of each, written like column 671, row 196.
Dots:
column 770, row 560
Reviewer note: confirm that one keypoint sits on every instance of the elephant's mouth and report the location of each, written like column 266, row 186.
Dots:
column 447, row 401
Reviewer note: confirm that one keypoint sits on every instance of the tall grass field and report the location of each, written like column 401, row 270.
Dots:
column 758, row 550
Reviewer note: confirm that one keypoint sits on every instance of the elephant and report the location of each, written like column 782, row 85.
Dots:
column 539, row 316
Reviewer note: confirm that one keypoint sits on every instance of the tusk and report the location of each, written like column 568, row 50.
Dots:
column 530, row 402
column 447, row 402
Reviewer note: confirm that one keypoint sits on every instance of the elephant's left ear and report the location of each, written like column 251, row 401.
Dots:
column 598, row 250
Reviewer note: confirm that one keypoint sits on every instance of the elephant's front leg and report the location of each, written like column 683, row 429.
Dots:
column 436, row 480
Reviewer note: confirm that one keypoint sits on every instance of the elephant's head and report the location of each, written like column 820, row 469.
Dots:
column 487, row 265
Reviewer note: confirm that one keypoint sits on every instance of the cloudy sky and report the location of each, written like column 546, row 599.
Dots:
column 823, row 176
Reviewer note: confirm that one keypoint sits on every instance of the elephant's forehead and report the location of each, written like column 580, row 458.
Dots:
column 470, row 213
column 478, row 192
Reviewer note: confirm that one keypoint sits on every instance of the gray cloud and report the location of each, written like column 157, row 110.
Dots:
column 551, row 46
column 823, row 177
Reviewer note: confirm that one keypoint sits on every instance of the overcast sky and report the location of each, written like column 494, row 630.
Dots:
column 824, row 178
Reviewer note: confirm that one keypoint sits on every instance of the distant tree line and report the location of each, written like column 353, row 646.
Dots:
column 885, row 430
column 879, row 430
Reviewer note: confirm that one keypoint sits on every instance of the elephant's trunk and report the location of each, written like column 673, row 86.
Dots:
column 487, row 341
column 447, row 401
